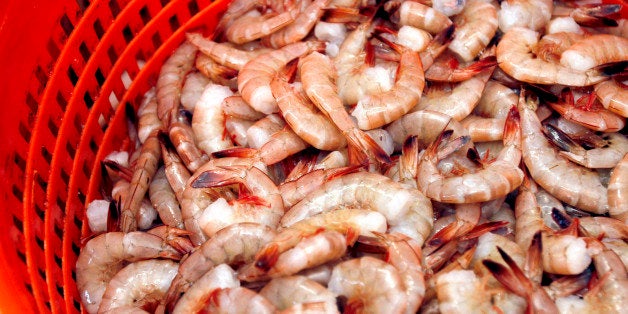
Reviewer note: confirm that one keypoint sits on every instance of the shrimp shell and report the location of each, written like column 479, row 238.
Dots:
column 595, row 50
column 170, row 81
column 618, row 191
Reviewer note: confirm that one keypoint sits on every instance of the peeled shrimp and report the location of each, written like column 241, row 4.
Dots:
column 223, row 53
column 461, row 291
column 475, row 27
column 103, row 256
column 148, row 122
column 249, row 27
column 219, row 277
column 530, row 14
column 170, row 81
column 613, row 96
column 286, row 292
column 208, row 120
column 141, row 284
column 183, row 139
column 529, row 219
column 295, row 190
column 595, row 50
column 421, row 16
column 369, row 285
column 164, row 200
column 564, row 254
column 237, row 300
column 617, row 191
column 300, row 27
column 193, row 87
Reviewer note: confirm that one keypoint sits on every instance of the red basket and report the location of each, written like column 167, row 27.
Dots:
column 64, row 96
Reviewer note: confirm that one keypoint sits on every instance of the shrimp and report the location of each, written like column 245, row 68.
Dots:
column 146, row 168
column 208, row 119
column 376, row 110
column 140, row 284
column 613, row 96
column 606, row 156
column 234, row 244
column 220, row 276
column 182, row 137
column 407, row 210
column 216, row 72
column 592, row 115
column 445, row 68
column 170, row 81
column 493, row 181
column 304, row 119
column 475, row 27
column 496, row 100
column 617, row 191
column 223, row 53
column 235, row 106
column 421, row 16
column 318, row 76
column 533, row 15
column 104, row 255
column 263, row 129
column 528, row 216
column 515, row 57
column 255, row 77
column 570, row 183
column 259, row 199
column 295, row 190
column 564, row 254
column 176, row 172
column 369, row 285
column 300, row 27
column 237, row 128
column 237, row 300
column 252, row 26
column 606, row 227
column 286, row 292
column 164, row 200
column 595, row 50
column 148, row 122
column 484, row 129
column 193, row 87
column 551, row 46
column 461, row 291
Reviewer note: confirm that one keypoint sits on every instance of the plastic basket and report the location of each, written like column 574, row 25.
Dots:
column 68, row 68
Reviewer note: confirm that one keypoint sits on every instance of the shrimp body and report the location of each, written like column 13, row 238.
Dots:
column 496, row 100
column 165, row 201
column 596, row 118
column 603, row 157
column 302, row 25
column 103, row 256
column 617, row 191
column 475, row 27
column 219, row 277
column 255, row 77
column 250, row 27
column 182, row 137
column 461, row 291
column 286, row 292
column 208, row 119
column 595, row 50
column 223, row 53
column 193, row 87
column 295, row 190
column 613, row 96
column 570, row 183
column 376, row 110
column 407, row 210
column 515, row 57
column 237, row 300
column 147, row 116
column 531, row 14
column 423, row 17
column 370, row 286
column 139, row 284
column 170, row 81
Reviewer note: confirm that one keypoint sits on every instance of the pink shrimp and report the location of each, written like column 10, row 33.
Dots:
column 171, row 79
column 300, row 27
column 614, row 96
column 595, row 50
column 617, row 191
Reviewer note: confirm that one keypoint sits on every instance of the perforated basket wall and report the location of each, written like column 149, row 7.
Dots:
column 68, row 68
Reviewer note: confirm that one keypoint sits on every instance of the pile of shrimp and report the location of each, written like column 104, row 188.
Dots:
column 329, row 156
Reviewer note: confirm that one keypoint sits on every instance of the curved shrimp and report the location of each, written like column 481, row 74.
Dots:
column 603, row 227
column 606, row 156
column 475, row 27
column 259, row 199
column 192, row 89
column 147, row 164
column 300, row 27
column 148, row 121
column 564, row 254
column 219, row 277
column 446, row 68
column 529, row 219
column 140, row 284
column 170, row 81
column 237, row 300
column 570, row 183
column 318, row 77
column 223, row 53
column 592, row 116
column 493, row 181
column 515, row 57
column 496, row 100
column 208, row 119
column 215, row 72
column 234, row 244
column 461, row 291
column 617, row 191
column 182, row 137
column 252, row 26
column 104, row 255
column 164, row 200
column 304, row 119
column 530, row 14
column 286, row 292
column 236, row 107
column 595, row 50
column 295, row 190
column 551, row 46
column 407, row 210
column 614, row 96
column 255, row 77
column 421, row 16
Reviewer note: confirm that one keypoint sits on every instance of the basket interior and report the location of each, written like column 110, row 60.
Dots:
column 75, row 64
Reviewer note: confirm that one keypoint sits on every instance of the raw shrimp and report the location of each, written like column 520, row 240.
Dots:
column 595, row 50
column 475, row 27
column 148, row 122
column 369, row 285
column 254, row 78
column 182, row 137
column 104, row 255
column 421, row 16
column 614, row 96
column 564, row 254
column 304, row 119
column 295, row 190
column 236, row 106
column 446, row 68
column 493, row 181
column 233, row 245
column 617, row 191
column 461, row 291
column 147, row 164
column 170, row 81
column 220, row 276
column 193, row 87
column 176, row 172
column 252, row 26
column 413, row 38
column 259, row 199
column 570, row 183
column 407, row 210
column 237, row 300
column 286, row 292
column 606, row 156
column 529, row 219
column 606, row 227
column 592, row 116
column 140, row 284
column 318, row 77
column 263, row 129
column 224, row 53
column 496, row 100
column 515, row 57
column 530, row 14
column 216, row 72
column 208, row 120
column 237, row 128
column 551, row 46
column 164, row 200
column 300, row 27
column 484, row 129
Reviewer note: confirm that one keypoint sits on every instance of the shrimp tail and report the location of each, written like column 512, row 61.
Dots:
column 481, row 229
column 444, row 235
column 113, row 216
column 482, row 64
column 219, row 177
column 354, row 306
column 534, row 259
column 242, row 152
column 361, row 146
column 597, row 16
column 343, row 15
column 341, row 171
column 512, row 127
column 513, row 281
column 267, row 257
column 124, row 172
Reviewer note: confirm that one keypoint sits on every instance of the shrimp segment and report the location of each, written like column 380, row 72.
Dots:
column 250, row 27
column 170, row 81
column 475, row 27
column 614, row 96
column 595, row 50
column 302, row 25
column 223, row 53
column 618, row 191
column 286, row 292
